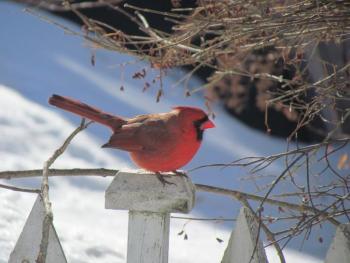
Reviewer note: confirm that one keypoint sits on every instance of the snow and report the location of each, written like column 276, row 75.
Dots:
column 38, row 59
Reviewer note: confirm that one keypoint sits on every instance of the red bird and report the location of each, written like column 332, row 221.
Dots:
column 158, row 143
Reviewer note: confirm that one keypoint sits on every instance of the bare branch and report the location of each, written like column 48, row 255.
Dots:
column 218, row 219
column 241, row 195
column 59, row 6
column 158, row 38
column 261, row 160
column 20, row 189
column 47, row 222
column 58, row 172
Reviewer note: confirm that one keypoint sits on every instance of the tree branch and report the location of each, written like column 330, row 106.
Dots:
column 47, row 222
column 239, row 195
column 58, row 172
column 20, row 189
column 59, row 7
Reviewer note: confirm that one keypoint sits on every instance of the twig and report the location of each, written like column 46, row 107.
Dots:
column 308, row 180
column 260, row 208
column 59, row 7
column 218, row 219
column 239, row 195
column 20, row 189
column 47, row 222
column 257, row 160
column 58, row 172
column 151, row 32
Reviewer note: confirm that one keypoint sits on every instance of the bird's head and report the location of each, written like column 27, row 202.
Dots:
column 196, row 118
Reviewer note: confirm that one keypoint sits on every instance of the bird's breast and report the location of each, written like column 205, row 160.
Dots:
column 169, row 156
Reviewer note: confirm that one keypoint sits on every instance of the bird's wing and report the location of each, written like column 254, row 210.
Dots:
column 146, row 134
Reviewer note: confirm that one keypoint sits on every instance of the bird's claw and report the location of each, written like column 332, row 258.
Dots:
column 183, row 174
column 162, row 180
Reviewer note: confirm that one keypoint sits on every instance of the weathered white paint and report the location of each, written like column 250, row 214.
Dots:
column 149, row 203
column 28, row 243
column 243, row 240
column 339, row 250
column 148, row 237
column 144, row 192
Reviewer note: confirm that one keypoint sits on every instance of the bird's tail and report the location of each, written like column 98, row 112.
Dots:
column 86, row 111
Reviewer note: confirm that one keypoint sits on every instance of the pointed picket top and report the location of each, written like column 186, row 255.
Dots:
column 28, row 243
column 339, row 250
column 243, row 241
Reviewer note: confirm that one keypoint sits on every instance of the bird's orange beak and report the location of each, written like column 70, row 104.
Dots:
column 207, row 125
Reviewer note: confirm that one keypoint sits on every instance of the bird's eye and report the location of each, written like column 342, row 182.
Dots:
column 197, row 124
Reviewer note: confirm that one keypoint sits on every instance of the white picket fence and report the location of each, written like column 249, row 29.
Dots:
column 150, row 205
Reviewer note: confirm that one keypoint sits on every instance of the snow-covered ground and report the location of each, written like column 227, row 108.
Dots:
column 38, row 59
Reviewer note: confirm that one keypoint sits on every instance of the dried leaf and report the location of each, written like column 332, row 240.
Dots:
column 146, row 86
column 342, row 161
column 219, row 240
column 305, row 200
column 180, row 233
column 185, row 237
column 159, row 94
column 139, row 75
column 271, row 219
column 93, row 59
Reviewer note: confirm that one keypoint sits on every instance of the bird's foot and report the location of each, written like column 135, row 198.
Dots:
column 183, row 174
column 161, row 178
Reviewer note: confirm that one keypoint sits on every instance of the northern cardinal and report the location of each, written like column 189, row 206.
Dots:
column 158, row 143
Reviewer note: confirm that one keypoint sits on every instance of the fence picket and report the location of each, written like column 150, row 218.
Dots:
column 149, row 204
column 243, row 241
column 339, row 250
column 27, row 247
